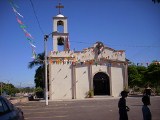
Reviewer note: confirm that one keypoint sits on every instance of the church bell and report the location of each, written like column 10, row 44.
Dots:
column 60, row 41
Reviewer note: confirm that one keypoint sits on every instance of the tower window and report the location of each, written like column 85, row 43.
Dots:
column 60, row 26
column 60, row 41
column 60, row 23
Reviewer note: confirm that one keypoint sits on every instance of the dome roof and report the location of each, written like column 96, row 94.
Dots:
column 60, row 15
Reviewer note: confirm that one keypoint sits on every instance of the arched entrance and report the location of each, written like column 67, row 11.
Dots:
column 101, row 84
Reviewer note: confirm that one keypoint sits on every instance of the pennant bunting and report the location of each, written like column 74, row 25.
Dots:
column 13, row 4
column 15, row 11
column 30, row 40
column 32, row 45
column 34, row 56
column 28, row 35
column 23, row 26
column 19, row 21
column 25, row 31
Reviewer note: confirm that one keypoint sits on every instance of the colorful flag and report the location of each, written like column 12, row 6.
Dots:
column 30, row 39
column 22, row 26
column 27, row 34
column 32, row 45
column 17, row 12
column 19, row 21
column 34, row 56
column 25, row 30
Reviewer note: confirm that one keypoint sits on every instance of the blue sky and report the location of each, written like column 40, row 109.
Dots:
column 130, row 25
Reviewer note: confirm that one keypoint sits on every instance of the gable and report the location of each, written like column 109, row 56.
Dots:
column 92, row 53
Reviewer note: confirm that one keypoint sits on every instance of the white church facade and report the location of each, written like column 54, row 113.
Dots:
column 73, row 74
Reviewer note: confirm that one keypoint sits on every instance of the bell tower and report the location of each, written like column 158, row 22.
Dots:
column 60, row 31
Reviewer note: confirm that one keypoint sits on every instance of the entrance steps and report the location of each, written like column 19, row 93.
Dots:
column 104, row 97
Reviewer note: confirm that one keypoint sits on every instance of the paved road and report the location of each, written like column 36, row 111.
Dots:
column 89, row 109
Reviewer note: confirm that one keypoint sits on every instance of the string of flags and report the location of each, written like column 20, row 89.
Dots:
column 28, row 36
column 78, row 58
column 143, row 64
column 73, row 61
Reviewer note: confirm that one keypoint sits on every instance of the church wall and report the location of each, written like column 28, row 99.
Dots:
column 60, row 81
column 117, row 80
column 107, row 54
column 99, row 68
column 82, row 82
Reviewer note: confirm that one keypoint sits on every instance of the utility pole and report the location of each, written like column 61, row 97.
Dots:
column 45, row 62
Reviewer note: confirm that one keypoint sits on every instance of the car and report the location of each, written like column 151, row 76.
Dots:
column 8, row 111
column 30, row 97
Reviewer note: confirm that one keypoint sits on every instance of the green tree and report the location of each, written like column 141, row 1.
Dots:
column 28, row 89
column 39, row 61
column 39, row 92
column 10, row 89
column 142, row 71
column 136, row 75
column 153, row 74
column 39, row 75
column 142, row 76
column 133, row 76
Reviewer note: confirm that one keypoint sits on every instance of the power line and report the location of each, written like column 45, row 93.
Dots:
column 80, row 42
column 142, row 46
column 36, row 17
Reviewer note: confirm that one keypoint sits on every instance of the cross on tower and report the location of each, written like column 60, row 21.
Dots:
column 59, row 7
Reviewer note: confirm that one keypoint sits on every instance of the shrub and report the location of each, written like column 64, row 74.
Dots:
column 90, row 94
column 39, row 92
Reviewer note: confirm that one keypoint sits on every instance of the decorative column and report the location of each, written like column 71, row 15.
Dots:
column 90, row 77
column 73, row 82
column 110, row 77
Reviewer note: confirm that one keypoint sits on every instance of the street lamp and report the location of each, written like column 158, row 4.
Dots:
column 45, row 62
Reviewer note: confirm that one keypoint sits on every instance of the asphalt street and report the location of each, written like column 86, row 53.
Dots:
column 98, row 108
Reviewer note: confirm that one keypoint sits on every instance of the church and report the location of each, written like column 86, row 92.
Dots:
column 95, row 71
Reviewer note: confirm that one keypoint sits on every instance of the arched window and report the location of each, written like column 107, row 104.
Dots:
column 60, row 41
column 60, row 26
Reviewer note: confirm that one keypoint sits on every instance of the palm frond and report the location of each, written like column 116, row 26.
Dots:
column 39, row 61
